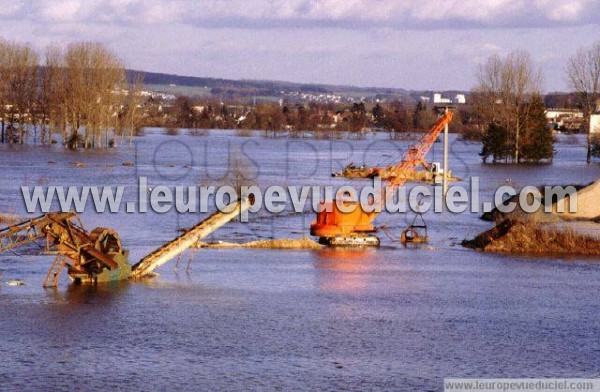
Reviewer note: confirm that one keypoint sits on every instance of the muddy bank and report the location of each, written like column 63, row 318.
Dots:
column 511, row 236
column 282, row 243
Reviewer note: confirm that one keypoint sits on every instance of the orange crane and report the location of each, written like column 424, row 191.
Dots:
column 355, row 226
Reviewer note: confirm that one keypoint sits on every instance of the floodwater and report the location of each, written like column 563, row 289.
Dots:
column 391, row 318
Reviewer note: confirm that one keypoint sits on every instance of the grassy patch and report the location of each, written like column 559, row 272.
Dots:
column 517, row 237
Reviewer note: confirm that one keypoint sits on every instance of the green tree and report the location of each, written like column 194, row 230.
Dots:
column 495, row 143
column 537, row 142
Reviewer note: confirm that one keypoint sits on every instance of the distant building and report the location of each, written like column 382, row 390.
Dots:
column 595, row 123
column 437, row 98
column 424, row 99
column 565, row 119
column 460, row 99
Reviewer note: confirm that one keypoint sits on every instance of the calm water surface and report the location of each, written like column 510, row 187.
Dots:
column 387, row 319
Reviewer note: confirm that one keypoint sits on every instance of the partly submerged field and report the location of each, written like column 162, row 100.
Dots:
column 391, row 318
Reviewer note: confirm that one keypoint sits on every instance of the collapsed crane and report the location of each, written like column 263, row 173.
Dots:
column 98, row 256
column 95, row 256
column 172, row 249
column 354, row 226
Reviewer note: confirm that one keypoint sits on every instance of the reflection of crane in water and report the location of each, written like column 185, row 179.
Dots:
column 98, row 256
column 344, row 269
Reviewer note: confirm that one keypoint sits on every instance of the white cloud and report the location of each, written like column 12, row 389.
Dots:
column 59, row 11
column 565, row 10
column 348, row 14
column 408, row 43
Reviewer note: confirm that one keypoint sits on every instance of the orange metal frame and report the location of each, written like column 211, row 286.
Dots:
column 332, row 222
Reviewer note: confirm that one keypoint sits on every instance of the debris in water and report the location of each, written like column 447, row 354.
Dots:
column 9, row 218
column 15, row 282
column 128, row 164
column 188, row 239
column 281, row 243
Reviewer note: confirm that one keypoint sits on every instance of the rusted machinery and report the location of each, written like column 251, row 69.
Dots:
column 336, row 227
column 98, row 256
column 416, row 232
column 175, row 247
column 95, row 256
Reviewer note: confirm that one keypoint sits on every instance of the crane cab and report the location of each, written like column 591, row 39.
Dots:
column 344, row 228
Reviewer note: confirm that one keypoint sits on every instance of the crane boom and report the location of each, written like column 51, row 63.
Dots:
column 352, row 226
column 416, row 154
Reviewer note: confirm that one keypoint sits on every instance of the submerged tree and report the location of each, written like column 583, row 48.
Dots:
column 95, row 78
column 583, row 75
column 508, row 99
column 538, row 141
column 77, row 90
column 495, row 143
column 18, row 86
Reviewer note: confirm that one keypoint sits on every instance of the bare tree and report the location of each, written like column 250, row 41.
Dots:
column 583, row 75
column 19, row 80
column 52, row 94
column 94, row 80
column 4, row 85
column 132, row 113
column 504, row 94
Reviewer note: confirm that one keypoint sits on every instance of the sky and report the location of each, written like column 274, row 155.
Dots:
column 412, row 44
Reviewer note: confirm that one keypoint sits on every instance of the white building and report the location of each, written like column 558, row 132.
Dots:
column 595, row 123
column 460, row 98
column 437, row 98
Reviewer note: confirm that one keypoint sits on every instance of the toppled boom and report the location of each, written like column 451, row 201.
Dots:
column 172, row 249
column 33, row 229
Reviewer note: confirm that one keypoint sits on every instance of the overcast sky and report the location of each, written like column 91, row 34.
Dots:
column 415, row 44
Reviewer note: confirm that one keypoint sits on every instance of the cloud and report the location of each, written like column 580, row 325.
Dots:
column 346, row 14
column 402, row 43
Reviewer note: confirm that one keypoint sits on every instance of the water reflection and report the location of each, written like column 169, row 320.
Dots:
column 344, row 269
column 84, row 294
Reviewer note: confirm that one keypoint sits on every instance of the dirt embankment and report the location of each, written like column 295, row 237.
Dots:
column 586, row 205
column 511, row 236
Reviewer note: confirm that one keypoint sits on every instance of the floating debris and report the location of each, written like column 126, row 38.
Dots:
column 128, row 164
column 9, row 219
column 281, row 243
column 15, row 282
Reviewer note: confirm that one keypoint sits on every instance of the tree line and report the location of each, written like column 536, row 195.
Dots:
column 508, row 104
column 78, row 92
column 80, row 95
column 202, row 113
